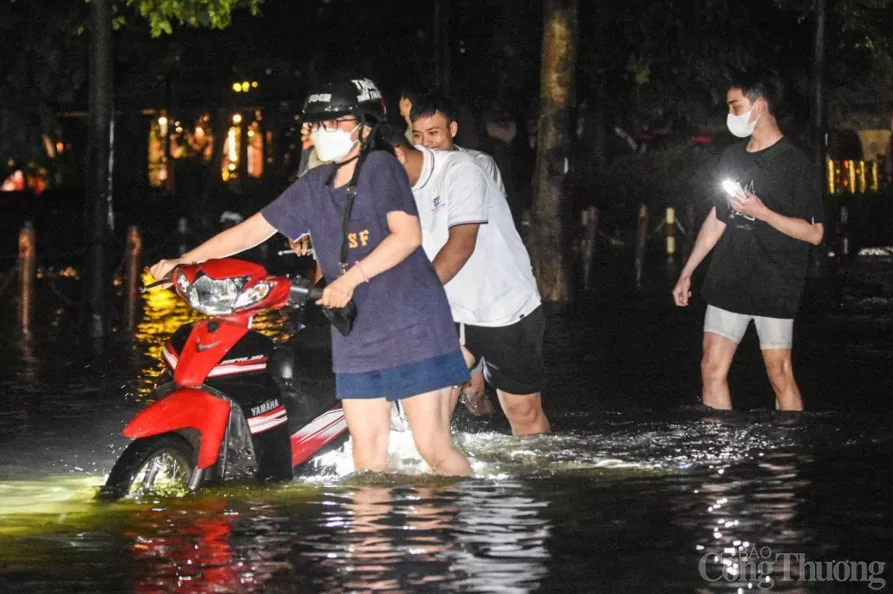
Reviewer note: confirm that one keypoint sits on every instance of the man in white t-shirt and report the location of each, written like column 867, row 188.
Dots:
column 433, row 121
column 469, row 235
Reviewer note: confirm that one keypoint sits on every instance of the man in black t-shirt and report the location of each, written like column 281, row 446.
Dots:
column 768, row 211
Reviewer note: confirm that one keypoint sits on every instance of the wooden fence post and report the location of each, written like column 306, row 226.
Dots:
column 27, row 274
column 843, row 232
column 641, row 243
column 133, row 257
column 670, row 232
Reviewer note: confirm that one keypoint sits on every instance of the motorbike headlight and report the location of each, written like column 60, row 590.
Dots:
column 253, row 295
column 215, row 297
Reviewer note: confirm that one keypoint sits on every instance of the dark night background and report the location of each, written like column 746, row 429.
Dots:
column 638, row 484
column 654, row 71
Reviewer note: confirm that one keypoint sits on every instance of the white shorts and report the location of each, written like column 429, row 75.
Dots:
column 774, row 333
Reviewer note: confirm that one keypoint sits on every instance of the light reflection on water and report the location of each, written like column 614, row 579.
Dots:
column 472, row 536
column 623, row 501
column 529, row 522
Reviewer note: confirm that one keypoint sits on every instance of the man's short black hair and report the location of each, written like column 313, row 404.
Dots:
column 394, row 136
column 413, row 93
column 755, row 87
column 433, row 103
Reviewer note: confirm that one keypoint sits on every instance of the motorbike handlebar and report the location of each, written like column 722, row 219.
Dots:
column 167, row 280
column 302, row 291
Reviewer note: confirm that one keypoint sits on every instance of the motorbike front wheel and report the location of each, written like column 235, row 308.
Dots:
column 157, row 465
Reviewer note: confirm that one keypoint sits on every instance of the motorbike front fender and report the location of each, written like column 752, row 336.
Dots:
column 186, row 408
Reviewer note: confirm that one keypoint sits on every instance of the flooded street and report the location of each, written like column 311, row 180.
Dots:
column 638, row 490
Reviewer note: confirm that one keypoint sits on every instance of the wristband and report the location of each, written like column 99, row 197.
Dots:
column 362, row 273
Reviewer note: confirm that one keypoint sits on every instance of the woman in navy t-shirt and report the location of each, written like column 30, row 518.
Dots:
column 403, row 345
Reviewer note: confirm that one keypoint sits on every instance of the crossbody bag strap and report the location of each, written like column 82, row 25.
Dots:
column 348, row 210
column 345, row 221
column 351, row 197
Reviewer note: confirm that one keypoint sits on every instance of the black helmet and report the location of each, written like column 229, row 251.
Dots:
column 358, row 97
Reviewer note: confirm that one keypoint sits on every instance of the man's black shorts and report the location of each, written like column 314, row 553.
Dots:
column 513, row 355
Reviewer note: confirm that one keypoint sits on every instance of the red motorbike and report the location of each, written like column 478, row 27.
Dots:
column 231, row 407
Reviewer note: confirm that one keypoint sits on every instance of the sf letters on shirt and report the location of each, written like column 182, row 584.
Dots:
column 357, row 239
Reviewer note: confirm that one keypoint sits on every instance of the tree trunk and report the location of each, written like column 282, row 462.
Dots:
column 550, row 213
column 98, row 213
column 817, row 84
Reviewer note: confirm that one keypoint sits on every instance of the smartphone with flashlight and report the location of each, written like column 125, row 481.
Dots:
column 733, row 188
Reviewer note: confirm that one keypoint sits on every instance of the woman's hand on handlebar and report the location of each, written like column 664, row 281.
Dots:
column 339, row 292
column 162, row 268
column 301, row 247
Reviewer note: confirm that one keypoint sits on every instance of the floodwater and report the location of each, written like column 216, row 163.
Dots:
column 638, row 490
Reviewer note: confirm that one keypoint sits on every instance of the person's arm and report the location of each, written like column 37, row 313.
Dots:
column 393, row 200
column 791, row 226
column 465, row 191
column 797, row 228
column 404, row 238
column 247, row 234
column 456, row 251
column 710, row 232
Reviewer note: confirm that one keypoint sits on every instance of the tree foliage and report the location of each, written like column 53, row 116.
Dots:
column 667, row 63
column 43, row 62
column 41, row 68
column 663, row 63
column 215, row 14
column 860, row 61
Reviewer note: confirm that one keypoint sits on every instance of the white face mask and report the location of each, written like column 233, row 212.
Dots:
column 739, row 125
column 334, row 145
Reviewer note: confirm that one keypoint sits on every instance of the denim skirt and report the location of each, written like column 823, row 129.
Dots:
column 402, row 381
